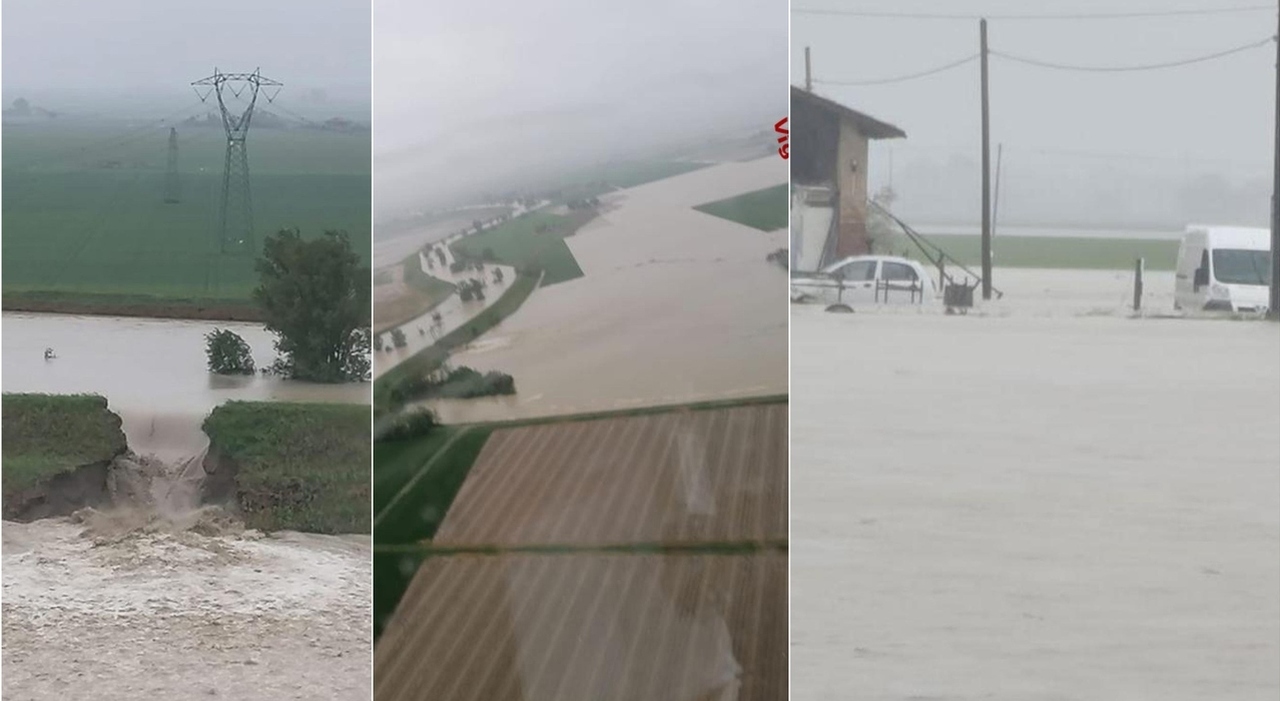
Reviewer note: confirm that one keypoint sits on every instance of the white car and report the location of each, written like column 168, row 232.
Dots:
column 864, row 280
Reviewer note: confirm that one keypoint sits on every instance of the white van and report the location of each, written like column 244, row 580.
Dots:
column 1223, row 268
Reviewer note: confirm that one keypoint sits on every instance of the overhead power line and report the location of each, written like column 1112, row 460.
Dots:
column 1035, row 17
column 902, row 78
column 1056, row 66
column 1143, row 67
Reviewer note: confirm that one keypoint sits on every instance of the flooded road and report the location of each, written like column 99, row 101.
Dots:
column 675, row 306
column 1045, row 499
column 421, row 332
column 151, row 371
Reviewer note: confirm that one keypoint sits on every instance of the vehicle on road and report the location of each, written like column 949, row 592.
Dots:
column 1223, row 268
column 866, row 280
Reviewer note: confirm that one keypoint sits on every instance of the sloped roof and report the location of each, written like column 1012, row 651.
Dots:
column 870, row 127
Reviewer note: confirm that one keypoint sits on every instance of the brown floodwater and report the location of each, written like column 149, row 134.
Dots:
column 675, row 306
column 151, row 371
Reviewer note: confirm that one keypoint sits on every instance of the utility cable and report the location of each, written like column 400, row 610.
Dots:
column 902, row 78
column 1123, row 69
column 1047, row 16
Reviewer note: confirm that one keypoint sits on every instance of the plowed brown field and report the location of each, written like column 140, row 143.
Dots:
column 681, row 477
column 588, row 627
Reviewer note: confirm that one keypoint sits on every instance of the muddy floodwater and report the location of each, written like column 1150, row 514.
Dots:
column 117, row 616
column 143, row 602
column 674, row 306
column 151, row 371
column 1046, row 499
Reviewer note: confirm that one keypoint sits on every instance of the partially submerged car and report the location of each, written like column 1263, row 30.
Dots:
column 864, row 280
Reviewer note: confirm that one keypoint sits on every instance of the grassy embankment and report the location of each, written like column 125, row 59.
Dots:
column 416, row 480
column 46, row 435
column 1049, row 252
column 87, row 230
column 302, row 467
column 766, row 210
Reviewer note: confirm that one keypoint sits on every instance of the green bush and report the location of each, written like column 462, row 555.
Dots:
column 228, row 353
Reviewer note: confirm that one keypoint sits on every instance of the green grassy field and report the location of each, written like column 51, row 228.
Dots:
column 45, row 434
column 84, row 216
column 766, row 210
column 1050, row 252
column 301, row 467
column 430, row 478
column 518, row 243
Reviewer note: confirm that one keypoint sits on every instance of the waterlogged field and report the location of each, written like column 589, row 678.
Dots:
column 85, row 217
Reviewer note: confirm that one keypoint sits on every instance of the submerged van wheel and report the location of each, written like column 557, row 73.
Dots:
column 840, row 309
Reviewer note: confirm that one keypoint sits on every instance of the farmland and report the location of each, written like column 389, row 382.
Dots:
column 535, row 240
column 546, row 484
column 590, row 626
column 765, row 209
column 1061, row 252
column 680, row 533
column 85, row 223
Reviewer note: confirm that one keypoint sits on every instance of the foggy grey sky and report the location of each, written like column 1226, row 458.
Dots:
column 149, row 46
column 1211, row 118
column 467, row 93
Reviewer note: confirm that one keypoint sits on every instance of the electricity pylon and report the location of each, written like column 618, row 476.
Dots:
column 235, row 213
column 172, row 188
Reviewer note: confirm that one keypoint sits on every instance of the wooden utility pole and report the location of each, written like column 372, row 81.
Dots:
column 986, row 170
column 808, row 77
column 1273, row 307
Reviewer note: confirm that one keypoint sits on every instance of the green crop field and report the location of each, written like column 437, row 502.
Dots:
column 1049, row 252
column 766, row 210
column 518, row 243
column 301, row 467
column 85, row 217
column 415, row 481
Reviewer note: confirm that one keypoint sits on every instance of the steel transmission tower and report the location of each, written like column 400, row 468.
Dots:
column 235, row 212
column 172, row 188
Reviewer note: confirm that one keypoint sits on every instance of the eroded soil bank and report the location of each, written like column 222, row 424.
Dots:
column 139, row 587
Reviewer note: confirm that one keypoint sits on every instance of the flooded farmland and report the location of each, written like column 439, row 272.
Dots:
column 1045, row 499
column 151, row 371
column 144, row 603
column 675, row 306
